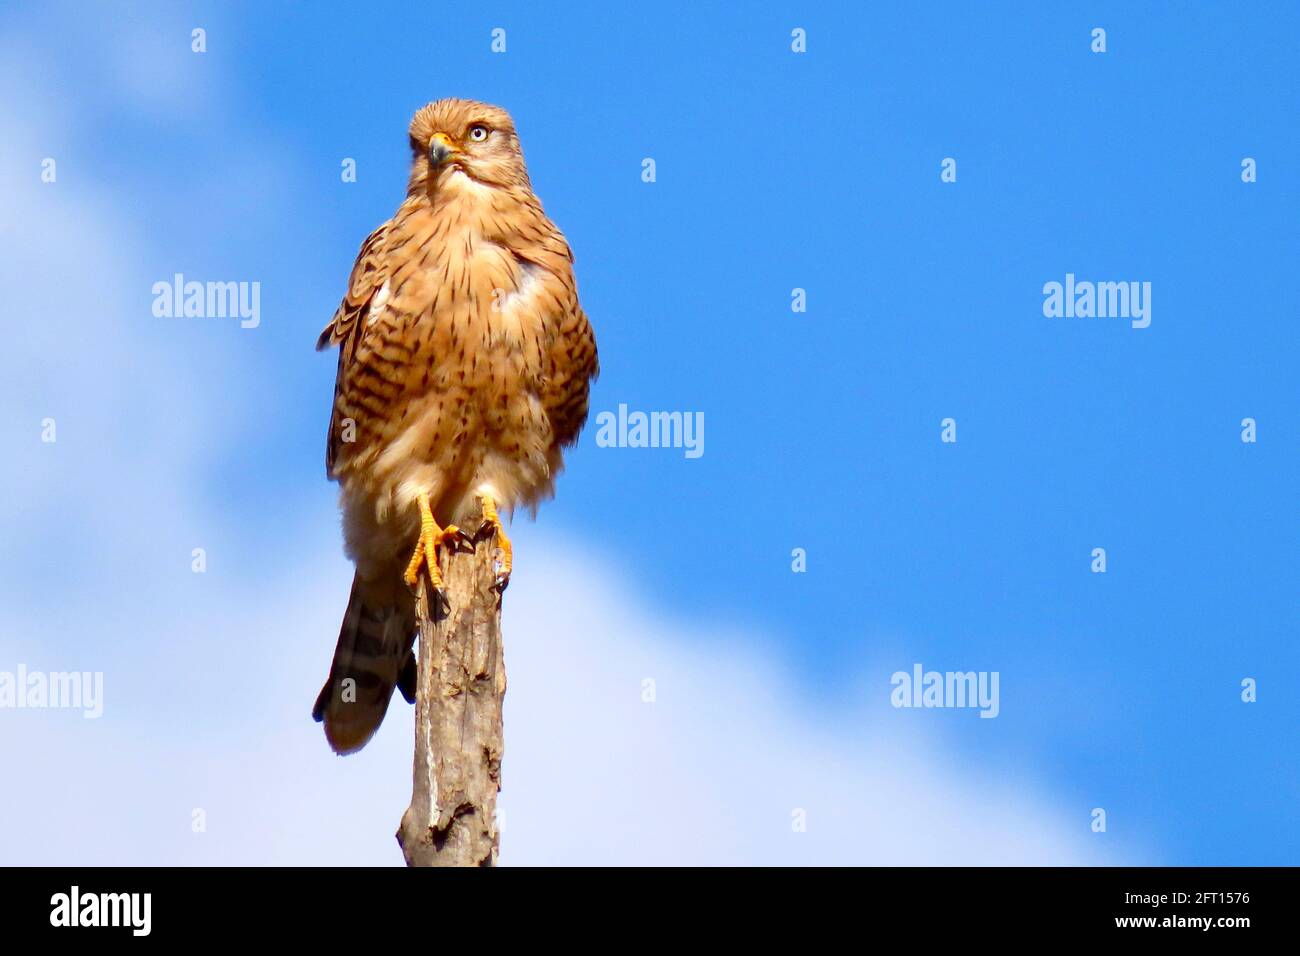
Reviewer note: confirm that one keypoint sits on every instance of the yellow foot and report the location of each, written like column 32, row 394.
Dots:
column 492, row 526
column 432, row 540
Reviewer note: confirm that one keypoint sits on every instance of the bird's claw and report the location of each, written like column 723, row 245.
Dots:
column 459, row 539
column 432, row 539
column 492, row 528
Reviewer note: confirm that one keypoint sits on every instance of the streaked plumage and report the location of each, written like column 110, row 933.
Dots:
column 464, row 367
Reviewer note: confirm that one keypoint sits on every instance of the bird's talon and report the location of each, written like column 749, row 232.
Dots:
column 431, row 540
column 492, row 527
column 450, row 537
column 412, row 573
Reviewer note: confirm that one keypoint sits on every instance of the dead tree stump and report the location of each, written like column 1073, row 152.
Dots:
column 458, row 730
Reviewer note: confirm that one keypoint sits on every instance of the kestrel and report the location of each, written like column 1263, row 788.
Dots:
column 464, row 367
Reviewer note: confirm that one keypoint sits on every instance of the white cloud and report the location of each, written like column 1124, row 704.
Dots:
column 708, row 774
column 714, row 769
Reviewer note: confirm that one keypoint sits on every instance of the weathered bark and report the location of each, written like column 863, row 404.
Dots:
column 458, row 733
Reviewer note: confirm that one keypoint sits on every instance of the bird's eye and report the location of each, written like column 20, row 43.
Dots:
column 478, row 133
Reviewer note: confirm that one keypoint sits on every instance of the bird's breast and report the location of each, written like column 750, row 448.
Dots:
column 456, row 334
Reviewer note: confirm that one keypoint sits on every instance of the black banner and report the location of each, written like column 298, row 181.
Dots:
column 335, row 906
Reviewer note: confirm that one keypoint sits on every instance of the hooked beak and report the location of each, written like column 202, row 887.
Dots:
column 441, row 148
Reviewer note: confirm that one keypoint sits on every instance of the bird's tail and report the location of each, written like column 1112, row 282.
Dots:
column 375, row 653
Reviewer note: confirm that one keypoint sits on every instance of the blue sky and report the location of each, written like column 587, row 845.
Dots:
column 775, row 170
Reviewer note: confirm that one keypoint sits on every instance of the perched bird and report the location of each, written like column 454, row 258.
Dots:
column 464, row 367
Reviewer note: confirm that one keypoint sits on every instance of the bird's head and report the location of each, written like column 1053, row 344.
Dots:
column 463, row 136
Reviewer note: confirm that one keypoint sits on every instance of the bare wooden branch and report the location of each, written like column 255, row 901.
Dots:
column 458, row 731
